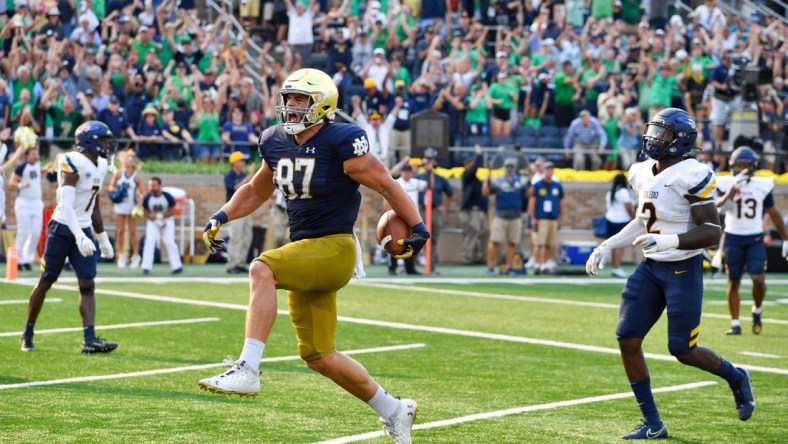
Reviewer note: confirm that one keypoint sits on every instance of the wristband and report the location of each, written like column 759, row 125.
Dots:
column 418, row 228
column 220, row 216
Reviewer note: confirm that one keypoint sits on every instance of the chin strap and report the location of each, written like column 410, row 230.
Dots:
column 111, row 168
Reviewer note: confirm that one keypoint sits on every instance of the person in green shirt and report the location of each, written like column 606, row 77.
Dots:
column 588, row 79
column 566, row 85
column 208, row 147
column 144, row 41
column 503, row 97
column 18, row 108
column 476, row 114
column 662, row 85
column 608, row 118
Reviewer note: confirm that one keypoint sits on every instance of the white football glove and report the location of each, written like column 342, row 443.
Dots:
column 598, row 259
column 105, row 246
column 86, row 246
column 741, row 179
column 654, row 243
column 785, row 249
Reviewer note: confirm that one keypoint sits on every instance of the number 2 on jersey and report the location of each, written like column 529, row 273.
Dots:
column 652, row 216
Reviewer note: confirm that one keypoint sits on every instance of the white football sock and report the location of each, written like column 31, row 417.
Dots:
column 736, row 323
column 383, row 403
column 252, row 352
column 756, row 310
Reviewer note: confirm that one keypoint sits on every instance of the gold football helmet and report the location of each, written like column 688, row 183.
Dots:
column 322, row 105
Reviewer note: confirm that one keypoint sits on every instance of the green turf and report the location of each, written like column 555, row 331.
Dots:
column 454, row 375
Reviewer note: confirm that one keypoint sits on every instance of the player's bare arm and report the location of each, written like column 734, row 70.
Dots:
column 707, row 220
column 251, row 195
column 369, row 171
column 777, row 220
column 95, row 217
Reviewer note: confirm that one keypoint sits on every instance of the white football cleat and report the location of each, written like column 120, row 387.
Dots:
column 135, row 261
column 240, row 380
column 121, row 261
column 399, row 425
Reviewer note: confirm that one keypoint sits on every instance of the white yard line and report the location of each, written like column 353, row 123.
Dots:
column 25, row 301
column 191, row 368
column 402, row 326
column 116, row 326
column 484, row 295
column 760, row 355
column 517, row 411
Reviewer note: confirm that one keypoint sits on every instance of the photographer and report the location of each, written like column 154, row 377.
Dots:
column 724, row 101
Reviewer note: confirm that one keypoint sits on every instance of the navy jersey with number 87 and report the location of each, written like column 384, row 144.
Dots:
column 321, row 199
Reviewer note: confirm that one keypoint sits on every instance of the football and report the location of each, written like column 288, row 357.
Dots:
column 392, row 228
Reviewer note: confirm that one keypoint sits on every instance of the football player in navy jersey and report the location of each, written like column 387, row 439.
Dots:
column 677, row 218
column 318, row 166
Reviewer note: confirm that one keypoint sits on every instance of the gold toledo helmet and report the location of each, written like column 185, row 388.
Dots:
column 26, row 138
column 323, row 96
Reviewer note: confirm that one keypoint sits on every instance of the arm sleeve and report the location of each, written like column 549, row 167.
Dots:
column 628, row 234
column 145, row 201
column 701, row 183
column 66, row 195
column 20, row 169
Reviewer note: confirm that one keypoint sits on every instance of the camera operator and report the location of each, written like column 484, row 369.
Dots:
column 724, row 101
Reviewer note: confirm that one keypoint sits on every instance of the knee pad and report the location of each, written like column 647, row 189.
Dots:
column 679, row 345
column 88, row 289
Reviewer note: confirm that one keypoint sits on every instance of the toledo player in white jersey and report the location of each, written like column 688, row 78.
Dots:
column 676, row 219
column 29, row 205
column 745, row 200
column 80, row 174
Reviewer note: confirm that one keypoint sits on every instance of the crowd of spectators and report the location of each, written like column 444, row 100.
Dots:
column 502, row 71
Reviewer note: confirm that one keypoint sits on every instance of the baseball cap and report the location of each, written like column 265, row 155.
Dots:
column 501, row 54
column 124, row 18
column 681, row 54
column 502, row 75
column 89, row 92
column 143, row 28
column 379, row 51
column 549, row 164
column 659, row 32
column 53, row 11
column 114, row 99
column 375, row 116
column 548, row 41
column 510, row 161
column 399, row 84
column 370, row 83
column 236, row 156
column 584, row 112
column 430, row 153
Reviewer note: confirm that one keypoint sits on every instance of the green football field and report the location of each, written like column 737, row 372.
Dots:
column 489, row 360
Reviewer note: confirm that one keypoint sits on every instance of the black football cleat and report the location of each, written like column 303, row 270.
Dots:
column 98, row 345
column 734, row 331
column 648, row 431
column 27, row 344
column 757, row 326
column 742, row 394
